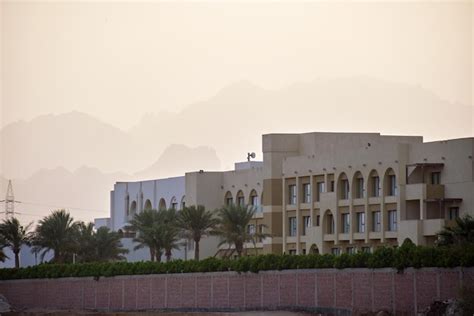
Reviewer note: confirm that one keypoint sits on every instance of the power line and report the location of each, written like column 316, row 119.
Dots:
column 64, row 207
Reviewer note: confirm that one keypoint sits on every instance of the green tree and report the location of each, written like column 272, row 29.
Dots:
column 196, row 222
column 56, row 232
column 146, row 226
column 14, row 236
column 233, row 227
column 168, row 231
column 461, row 233
column 107, row 245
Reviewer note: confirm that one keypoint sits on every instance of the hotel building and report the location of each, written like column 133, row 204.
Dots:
column 325, row 192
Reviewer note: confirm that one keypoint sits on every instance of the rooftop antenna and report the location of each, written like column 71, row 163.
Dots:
column 250, row 155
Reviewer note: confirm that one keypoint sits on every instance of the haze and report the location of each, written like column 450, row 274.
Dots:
column 93, row 93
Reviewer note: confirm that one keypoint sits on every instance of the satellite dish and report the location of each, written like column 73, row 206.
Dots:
column 250, row 155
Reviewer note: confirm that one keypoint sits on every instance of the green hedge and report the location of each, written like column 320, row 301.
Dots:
column 405, row 256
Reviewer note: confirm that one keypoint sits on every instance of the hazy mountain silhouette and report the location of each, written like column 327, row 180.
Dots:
column 232, row 122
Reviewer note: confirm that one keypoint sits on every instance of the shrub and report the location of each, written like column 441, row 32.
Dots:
column 408, row 255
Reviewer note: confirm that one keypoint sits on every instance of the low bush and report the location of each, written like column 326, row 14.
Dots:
column 408, row 255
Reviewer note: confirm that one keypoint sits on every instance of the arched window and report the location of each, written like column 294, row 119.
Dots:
column 133, row 208
column 374, row 184
column 343, row 187
column 240, row 198
column 228, row 199
column 183, row 202
column 314, row 249
column 390, row 183
column 254, row 201
column 358, row 191
column 174, row 203
column 162, row 205
column 329, row 224
column 148, row 205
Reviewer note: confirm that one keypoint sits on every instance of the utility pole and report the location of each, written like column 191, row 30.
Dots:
column 9, row 201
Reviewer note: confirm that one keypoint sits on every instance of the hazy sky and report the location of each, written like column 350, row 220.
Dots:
column 119, row 61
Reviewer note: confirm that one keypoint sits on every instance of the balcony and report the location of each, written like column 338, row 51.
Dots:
column 423, row 191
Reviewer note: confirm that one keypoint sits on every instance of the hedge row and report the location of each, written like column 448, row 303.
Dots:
column 399, row 258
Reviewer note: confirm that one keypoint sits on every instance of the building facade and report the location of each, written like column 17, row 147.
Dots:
column 325, row 192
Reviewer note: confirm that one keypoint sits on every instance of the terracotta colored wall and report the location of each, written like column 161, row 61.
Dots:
column 350, row 289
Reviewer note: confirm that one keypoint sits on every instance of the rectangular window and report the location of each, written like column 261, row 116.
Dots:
column 292, row 251
column 376, row 186
column 366, row 249
column 306, row 224
column 350, row 250
column 307, row 193
column 376, row 221
column 251, row 229
column 360, row 188
column 453, row 213
column 344, row 189
column 392, row 220
column 292, row 226
column 304, row 251
column 331, row 186
column 435, row 177
column 317, row 220
column 345, row 223
column 321, row 189
column 361, row 222
column 335, row 251
column 393, row 186
column 292, row 194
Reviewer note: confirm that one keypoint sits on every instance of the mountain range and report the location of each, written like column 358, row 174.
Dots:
column 73, row 159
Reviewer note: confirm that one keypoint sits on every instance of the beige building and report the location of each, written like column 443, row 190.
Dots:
column 327, row 192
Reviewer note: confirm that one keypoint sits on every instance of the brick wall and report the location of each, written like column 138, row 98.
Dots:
column 354, row 290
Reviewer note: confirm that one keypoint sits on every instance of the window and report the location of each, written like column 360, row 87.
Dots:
column 229, row 201
column 292, row 196
column 331, row 186
column 317, row 220
column 365, row 249
column 183, row 205
column 331, row 225
column 392, row 220
column 304, row 251
column 453, row 213
column 360, row 188
column 375, row 186
column 376, row 221
column 174, row 205
column 251, row 229
column 292, row 251
column 321, row 188
column 335, row 251
column 292, row 226
column 306, row 224
column 392, row 190
column 436, row 177
column 307, row 193
column 361, row 222
column 350, row 250
column 254, row 200
column 241, row 201
column 344, row 189
column 345, row 223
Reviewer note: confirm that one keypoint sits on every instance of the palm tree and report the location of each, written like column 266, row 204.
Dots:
column 233, row 227
column 56, row 232
column 168, row 236
column 461, row 233
column 107, row 245
column 146, row 225
column 14, row 236
column 85, row 242
column 3, row 256
column 196, row 222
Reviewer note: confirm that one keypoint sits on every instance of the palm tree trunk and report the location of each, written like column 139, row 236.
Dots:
column 17, row 259
column 168, row 255
column 152, row 254
column 196, row 250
